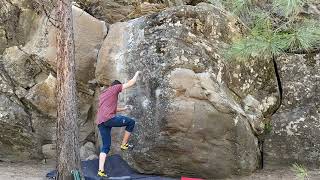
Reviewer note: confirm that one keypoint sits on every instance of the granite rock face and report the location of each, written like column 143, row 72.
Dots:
column 88, row 151
column 18, row 141
column 89, row 33
column 192, row 115
column 18, row 21
column 295, row 134
column 28, row 77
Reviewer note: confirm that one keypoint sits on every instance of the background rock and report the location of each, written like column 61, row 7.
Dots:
column 18, row 22
column 295, row 133
column 20, row 66
column 113, row 11
column 109, row 11
column 43, row 96
column 3, row 40
column 28, row 80
column 49, row 151
column 88, row 35
column 88, row 151
column 17, row 139
column 120, row 10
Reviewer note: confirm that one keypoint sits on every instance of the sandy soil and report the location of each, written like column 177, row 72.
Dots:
column 25, row 171
column 38, row 170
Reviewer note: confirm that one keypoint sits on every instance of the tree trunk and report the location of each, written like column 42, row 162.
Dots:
column 68, row 157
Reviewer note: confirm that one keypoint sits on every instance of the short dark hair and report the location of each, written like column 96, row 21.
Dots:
column 115, row 82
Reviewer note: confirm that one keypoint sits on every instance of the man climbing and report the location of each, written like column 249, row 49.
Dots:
column 107, row 118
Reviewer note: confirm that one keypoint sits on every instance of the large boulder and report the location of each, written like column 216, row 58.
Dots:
column 191, row 118
column 295, row 133
column 17, row 139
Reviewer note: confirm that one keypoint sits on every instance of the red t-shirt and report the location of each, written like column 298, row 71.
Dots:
column 108, row 101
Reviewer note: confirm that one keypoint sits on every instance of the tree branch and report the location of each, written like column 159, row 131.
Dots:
column 304, row 51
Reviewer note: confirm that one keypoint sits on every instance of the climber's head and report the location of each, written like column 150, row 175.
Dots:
column 103, row 87
column 115, row 82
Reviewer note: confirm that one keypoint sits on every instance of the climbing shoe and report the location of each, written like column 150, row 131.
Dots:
column 125, row 146
column 102, row 174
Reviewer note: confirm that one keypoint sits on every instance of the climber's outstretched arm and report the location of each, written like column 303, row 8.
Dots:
column 131, row 82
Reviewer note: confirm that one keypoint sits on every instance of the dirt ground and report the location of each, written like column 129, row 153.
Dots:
column 38, row 170
column 25, row 171
column 283, row 173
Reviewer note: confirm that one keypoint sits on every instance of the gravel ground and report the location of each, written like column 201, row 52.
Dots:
column 282, row 173
column 25, row 171
column 37, row 171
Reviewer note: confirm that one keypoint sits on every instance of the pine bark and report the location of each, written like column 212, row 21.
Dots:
column 68, row 156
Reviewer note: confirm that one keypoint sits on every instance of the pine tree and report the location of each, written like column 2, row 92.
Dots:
column 68, row 157
column 273, row 31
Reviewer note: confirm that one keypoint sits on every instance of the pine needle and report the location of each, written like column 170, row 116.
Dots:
column 300, row 171
column 288, row 7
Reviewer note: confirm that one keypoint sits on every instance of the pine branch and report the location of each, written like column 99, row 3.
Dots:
column 267, row 39
column 288, row 7
column 303, row 51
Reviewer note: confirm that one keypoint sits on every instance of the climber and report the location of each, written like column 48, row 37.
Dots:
column 107, row 118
